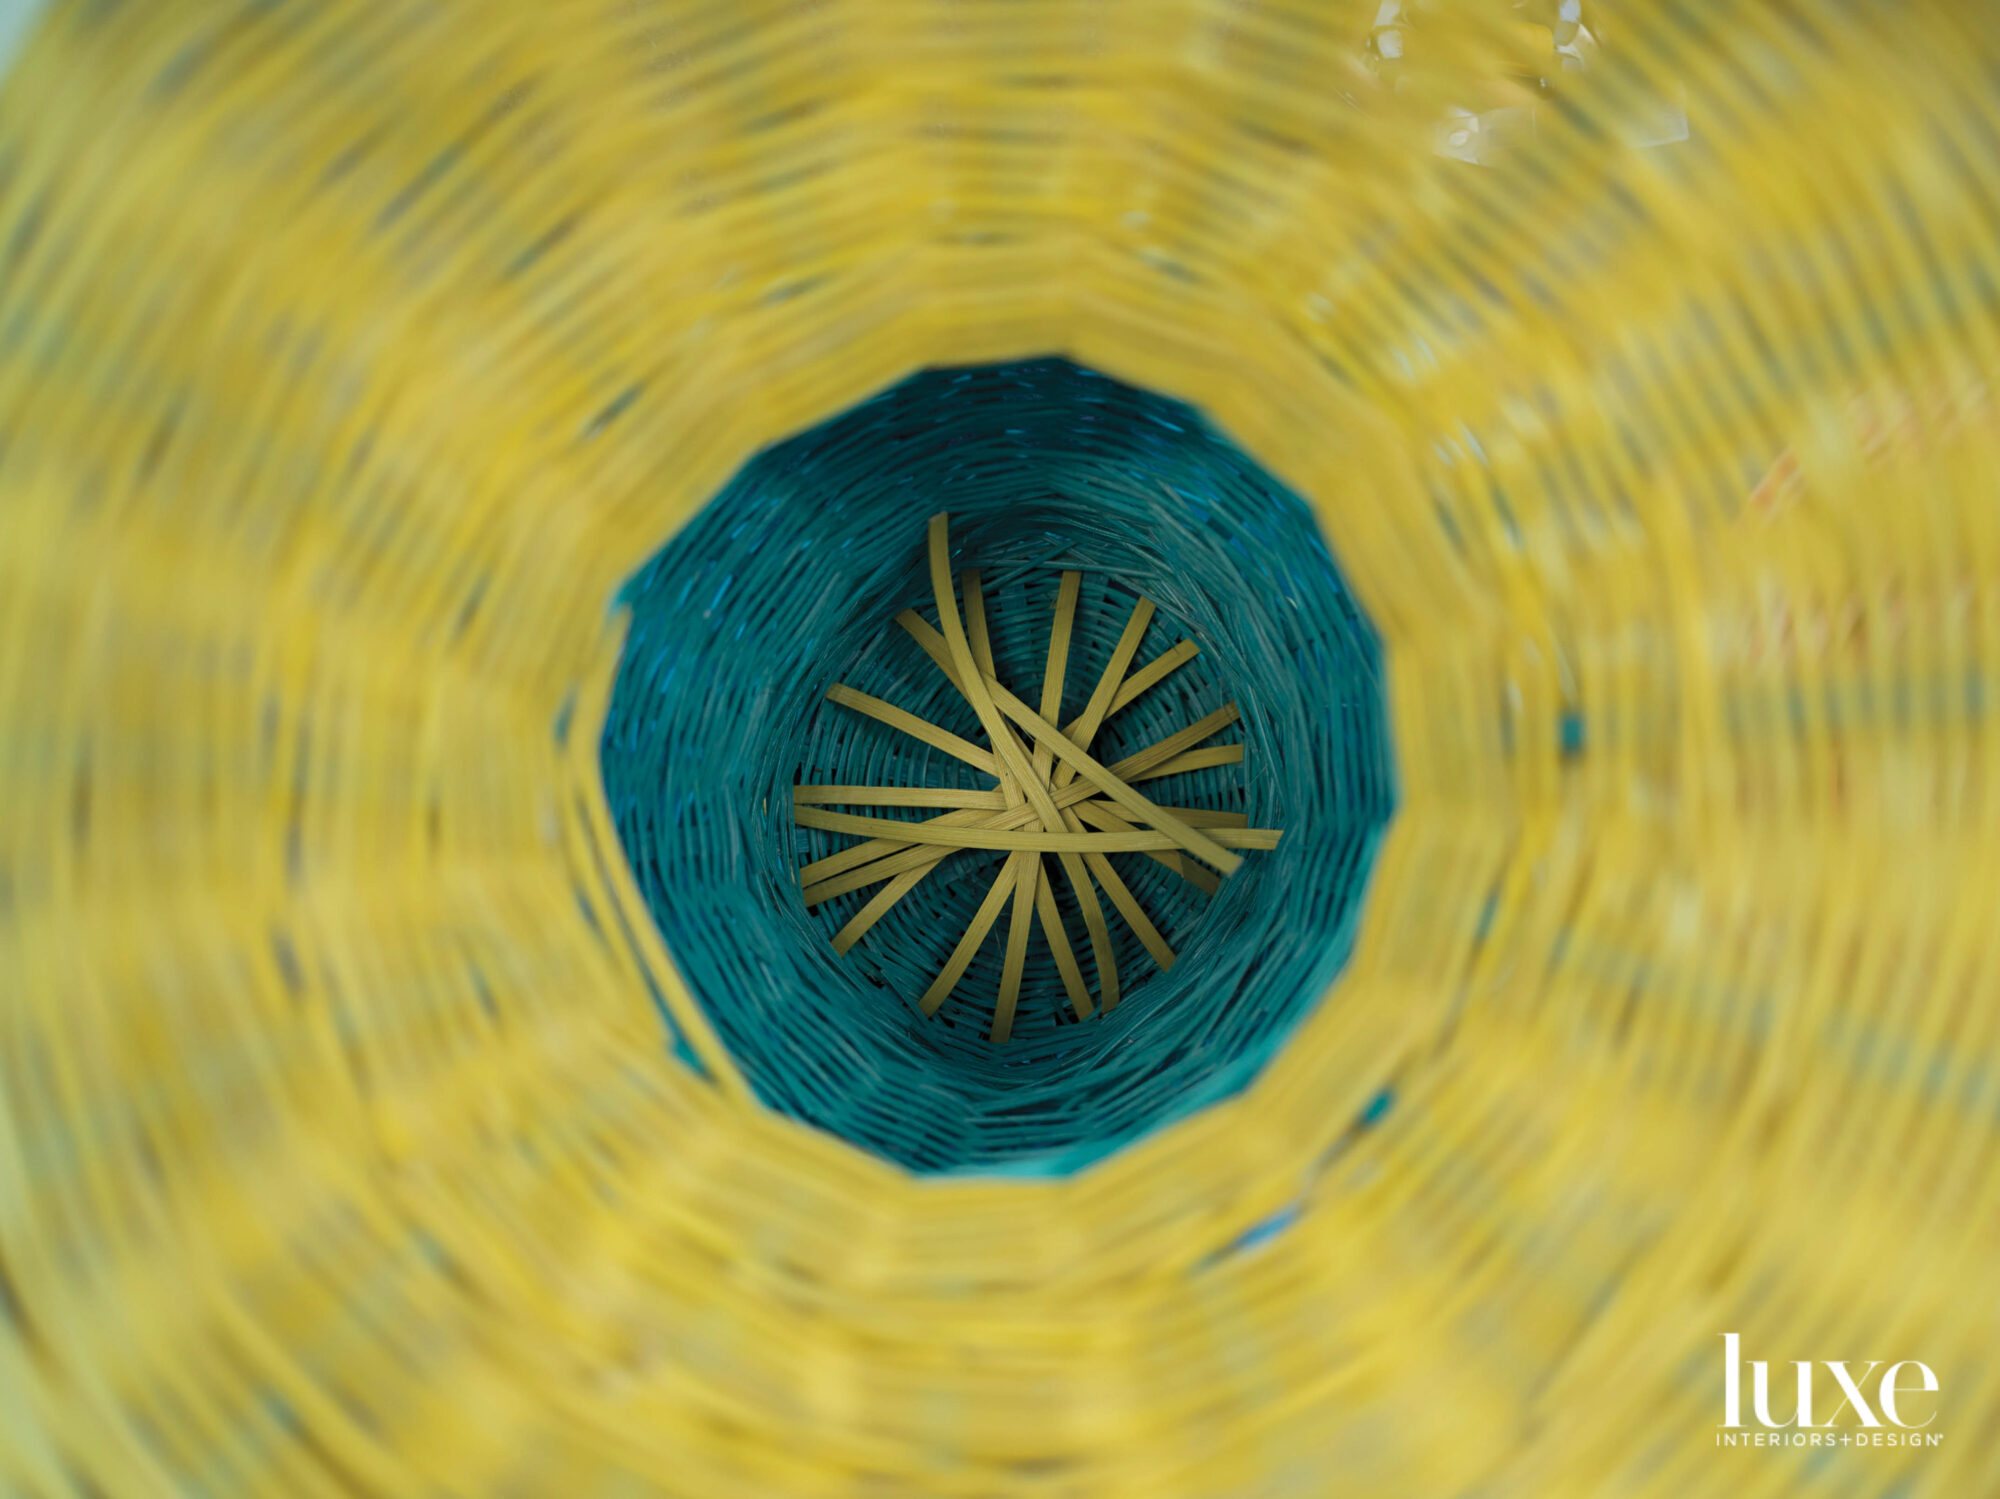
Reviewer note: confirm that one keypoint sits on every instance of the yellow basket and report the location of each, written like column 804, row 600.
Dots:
column 1637, row 368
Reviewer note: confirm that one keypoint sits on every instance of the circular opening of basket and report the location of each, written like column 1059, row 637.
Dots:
column 1002, row 762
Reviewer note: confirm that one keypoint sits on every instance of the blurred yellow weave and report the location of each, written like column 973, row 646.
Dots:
column 352, row 354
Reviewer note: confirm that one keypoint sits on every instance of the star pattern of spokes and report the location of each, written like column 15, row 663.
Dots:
column 1050, row 799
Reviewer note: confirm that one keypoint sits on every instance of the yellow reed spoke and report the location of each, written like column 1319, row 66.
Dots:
column 1134, row 914
column 821, row 871
column 977, row 686
column 1060, row 630
column 883, row 902
column 1101, row 951
column 1106, row 692
column 975, row 933
column 915, row 727
column 1041, row 840
column 1059, row 947
column 1202, row 817
column 896, row 796
column 1202, row 759
column 1107, row 816
column 1017, row 950
column 1038, row 840
column 1035, row 786
column 1228, row 833
column 1052, row 674
column 1162, row 752
column 1141, row 681
column 1012, row 784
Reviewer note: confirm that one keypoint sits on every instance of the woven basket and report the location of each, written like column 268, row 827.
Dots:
column 790, row 581
column 358, row 358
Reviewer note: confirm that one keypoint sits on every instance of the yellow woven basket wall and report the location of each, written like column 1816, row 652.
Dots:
column 351, row 355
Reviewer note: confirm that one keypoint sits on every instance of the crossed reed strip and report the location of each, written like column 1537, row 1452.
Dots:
column 1040, row 804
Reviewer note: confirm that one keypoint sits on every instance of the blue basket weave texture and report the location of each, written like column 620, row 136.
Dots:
column 789, row 581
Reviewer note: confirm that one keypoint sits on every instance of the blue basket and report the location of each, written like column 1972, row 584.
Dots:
column 789, row 581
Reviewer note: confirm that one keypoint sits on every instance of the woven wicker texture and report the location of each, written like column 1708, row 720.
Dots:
column 354, row 355
column 789, row 582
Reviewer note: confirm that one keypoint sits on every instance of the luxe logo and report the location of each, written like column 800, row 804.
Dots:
column 1874, row 1408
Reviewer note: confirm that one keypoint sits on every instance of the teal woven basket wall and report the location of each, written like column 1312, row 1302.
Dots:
column 788, row 582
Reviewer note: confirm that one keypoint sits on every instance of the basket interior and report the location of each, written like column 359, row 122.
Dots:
column 789, row 581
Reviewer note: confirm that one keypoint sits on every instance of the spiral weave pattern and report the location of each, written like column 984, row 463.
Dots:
column 1637, row 369
column 789, row 582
